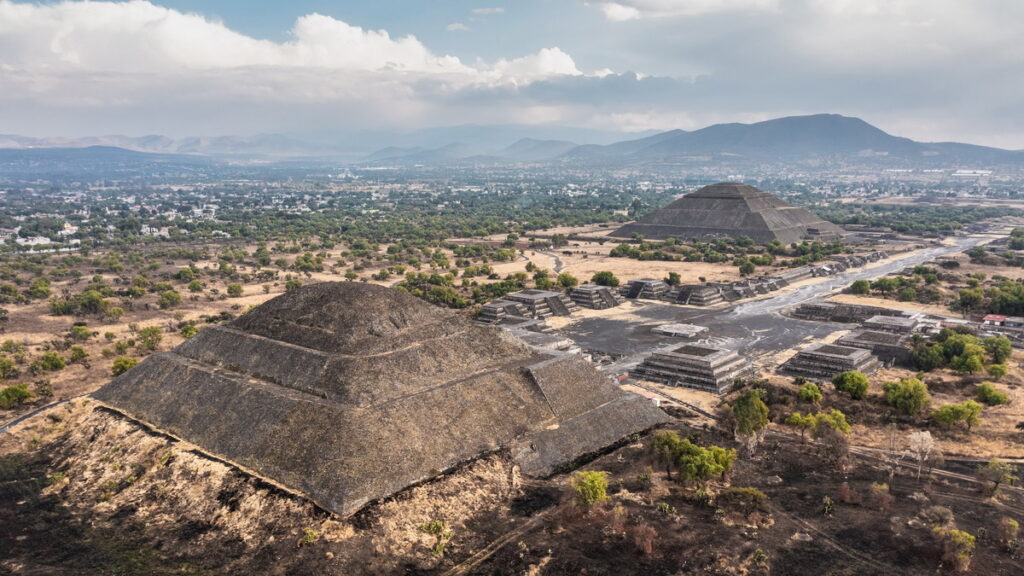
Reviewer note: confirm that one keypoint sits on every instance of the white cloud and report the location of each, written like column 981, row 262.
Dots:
column 487, row 11
column 456, row 27
column 138, row 37
column 547, row 62
column 621, row 10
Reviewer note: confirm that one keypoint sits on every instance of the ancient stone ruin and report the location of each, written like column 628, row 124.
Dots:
column 824, row 361
column 543, row 303
column 838, row 312
column 497, row 311
column 729, row 209
column 595, row 297
column 701, row 367
column 886, row 346
column 645, row 288
column 894, row 324
column 350, row 392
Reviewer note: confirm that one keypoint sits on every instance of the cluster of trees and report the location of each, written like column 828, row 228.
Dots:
column 819, row 424
column 695, row 465
column 962, row 351
column 1003, row 296
column 920, row 286
column 933, row 220
column 743, row 252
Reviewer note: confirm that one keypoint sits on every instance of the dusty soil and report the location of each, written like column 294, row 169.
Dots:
column 85, row 491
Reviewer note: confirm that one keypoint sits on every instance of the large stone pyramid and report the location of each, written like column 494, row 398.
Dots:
column 731, row 210
column 350, row 392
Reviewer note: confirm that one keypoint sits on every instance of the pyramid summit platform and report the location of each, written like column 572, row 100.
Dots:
column 731, row 210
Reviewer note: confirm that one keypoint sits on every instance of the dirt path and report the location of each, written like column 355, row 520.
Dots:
column 474, row 561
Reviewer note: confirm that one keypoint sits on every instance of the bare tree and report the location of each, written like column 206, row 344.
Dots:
column 920, row 446
column 893, row 456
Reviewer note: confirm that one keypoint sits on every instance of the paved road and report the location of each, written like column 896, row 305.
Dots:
column 753, row 328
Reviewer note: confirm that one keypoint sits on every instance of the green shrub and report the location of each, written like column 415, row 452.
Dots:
column 51, row 361
column 169, row 298
column 853, row 383
column 967, row 412
column 591, row 487
column 122, row 365
column 908, row 395
column 987, row 394
column 810, row 392
column 16, row 395
column 605, row 278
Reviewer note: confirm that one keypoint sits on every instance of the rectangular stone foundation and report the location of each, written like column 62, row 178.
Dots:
column 824, row 361
column 701, row 367
column 544, row 303
column 596, row 297
column 886, row 346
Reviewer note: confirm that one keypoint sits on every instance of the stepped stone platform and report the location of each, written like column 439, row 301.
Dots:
column 543, row 303
column 733, row 210
column 894, row 324
column 701, row 367
column 596, row 297
column 838, row 312
column 498, row 310
column 824, row 361
column 645, row 288
column 698, row 295
column 348, row 392
column 886, row 346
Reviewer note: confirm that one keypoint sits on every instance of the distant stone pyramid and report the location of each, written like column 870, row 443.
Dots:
column 731, row 210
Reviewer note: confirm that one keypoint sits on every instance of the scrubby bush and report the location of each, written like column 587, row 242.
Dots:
column 12, row 396
column 987, row 394
column 590, row 486
column 997, row 371
column 810, row 392
column 853, row 383
column 122, row 365
column 908, row 395
column 149, row 338
column 51, row 361
column 605, row 278
column 746, row 500
column 967, row 413
column 957, row 547
column 169, row 299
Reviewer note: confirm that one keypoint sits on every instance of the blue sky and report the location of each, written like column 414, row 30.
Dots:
column 927, row 69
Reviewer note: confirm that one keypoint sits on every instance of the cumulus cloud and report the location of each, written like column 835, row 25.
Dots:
column 456, row 27
column 487, row 11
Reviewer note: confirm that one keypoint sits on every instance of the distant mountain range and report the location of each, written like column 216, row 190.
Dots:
column 817, row 139
column 794, row 139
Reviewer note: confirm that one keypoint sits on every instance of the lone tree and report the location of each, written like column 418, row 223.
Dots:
column 997, row 473
column 920, row 446
column 750, row 415
column 803, row 423
column 591, row 487
column 853, row 383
